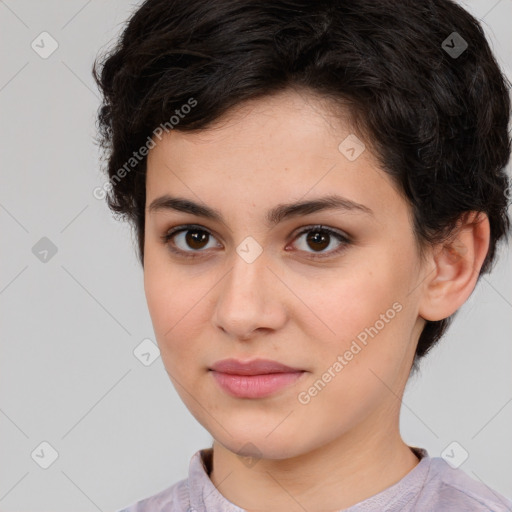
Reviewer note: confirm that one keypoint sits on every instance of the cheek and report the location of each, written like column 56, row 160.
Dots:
column 176, row 304
column 348, row 301
column 158, row 290
column 165, row 296
column 365, row 305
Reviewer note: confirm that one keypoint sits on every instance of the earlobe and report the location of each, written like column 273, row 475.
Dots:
column 456, row 264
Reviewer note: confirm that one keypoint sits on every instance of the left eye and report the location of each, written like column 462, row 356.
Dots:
column 321, row 237
column 197, row 238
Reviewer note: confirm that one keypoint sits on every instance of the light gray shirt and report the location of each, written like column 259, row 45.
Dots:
column 431, row 486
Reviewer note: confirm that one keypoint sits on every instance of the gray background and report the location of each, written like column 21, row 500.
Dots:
column 68, row 375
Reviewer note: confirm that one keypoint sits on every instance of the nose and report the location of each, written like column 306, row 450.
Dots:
column 250, row 299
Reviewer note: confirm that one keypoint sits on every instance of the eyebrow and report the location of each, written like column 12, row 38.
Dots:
column 274, row 216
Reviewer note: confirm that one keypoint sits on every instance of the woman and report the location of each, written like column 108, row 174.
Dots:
column 316, row 188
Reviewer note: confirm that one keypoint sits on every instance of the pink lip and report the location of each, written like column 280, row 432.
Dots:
column 254, row 367
column 253, row 379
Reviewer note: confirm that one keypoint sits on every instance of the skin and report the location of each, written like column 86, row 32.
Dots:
column 344, row 445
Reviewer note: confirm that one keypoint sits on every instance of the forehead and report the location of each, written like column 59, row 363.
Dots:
column 269, row 150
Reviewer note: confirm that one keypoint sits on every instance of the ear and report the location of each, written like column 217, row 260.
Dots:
column 454, row 266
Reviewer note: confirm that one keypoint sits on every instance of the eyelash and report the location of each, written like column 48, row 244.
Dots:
column 166, row 239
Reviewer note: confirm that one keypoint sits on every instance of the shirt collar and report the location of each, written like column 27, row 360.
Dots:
column 204, row 496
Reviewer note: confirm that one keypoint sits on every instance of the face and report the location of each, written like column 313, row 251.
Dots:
column 331, row 291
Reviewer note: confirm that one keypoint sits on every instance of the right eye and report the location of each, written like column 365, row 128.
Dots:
column 191, row 236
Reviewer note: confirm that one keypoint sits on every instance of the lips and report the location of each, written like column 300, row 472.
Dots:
column 255, row 379
column 255, row 367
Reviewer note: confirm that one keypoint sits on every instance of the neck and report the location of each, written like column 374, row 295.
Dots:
column 334, row 476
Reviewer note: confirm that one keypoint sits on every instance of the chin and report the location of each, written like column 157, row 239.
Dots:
column 258, row 445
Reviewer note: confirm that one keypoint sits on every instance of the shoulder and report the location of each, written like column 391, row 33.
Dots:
column 447, row 488
column 170, row 499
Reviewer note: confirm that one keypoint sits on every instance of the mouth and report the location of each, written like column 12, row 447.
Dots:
column 254, row 379
column 253, row 367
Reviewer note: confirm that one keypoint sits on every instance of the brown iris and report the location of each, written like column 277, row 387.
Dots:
column 318, row 237
column 196, row 236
